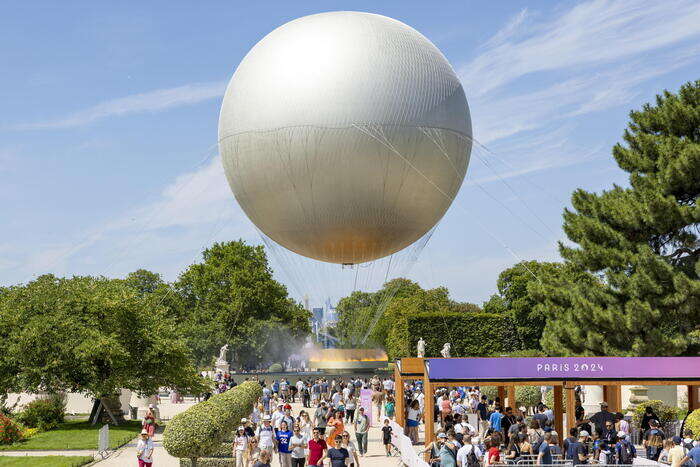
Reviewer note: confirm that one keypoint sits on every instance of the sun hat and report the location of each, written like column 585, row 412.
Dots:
column 241, row 428
column 144, row 432
column 266, row 418
column 244, row 420
column 151, row 406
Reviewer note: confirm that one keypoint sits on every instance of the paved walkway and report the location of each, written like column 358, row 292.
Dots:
column 375, row 457
column 126, row 455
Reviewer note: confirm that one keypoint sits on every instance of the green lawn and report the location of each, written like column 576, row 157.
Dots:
column 44, row 461
column 76, row 435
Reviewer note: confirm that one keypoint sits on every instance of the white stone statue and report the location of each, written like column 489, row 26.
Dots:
column 446, row 350
column 222, row 354
column 420, row 348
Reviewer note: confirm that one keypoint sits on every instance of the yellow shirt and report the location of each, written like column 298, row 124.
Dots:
column 675, row 455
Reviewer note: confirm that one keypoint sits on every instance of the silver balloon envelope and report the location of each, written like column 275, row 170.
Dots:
column 345, row 136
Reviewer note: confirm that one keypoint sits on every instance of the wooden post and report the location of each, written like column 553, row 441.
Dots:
column 558, row 411
column 511, row 399
column 617, row 395
column 570, row 409
column 399, row 409
column 502, row 396
column 429, row 415
column 693, row 399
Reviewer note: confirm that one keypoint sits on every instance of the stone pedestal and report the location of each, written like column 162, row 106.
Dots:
column 222, row 366
column 594, row 396
column 639, row 396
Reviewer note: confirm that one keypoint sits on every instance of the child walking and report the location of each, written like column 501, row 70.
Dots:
column 386, row 437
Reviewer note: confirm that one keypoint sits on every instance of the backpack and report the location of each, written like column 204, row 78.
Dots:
column 472, row 460
column 627, row 452
column 572, row 451
column 536, row 445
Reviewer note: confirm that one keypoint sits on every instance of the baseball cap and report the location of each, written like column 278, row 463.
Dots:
column 144, row 432
column 603, row 404
column 621, row 434
column 676, row 440
column 244, row 420
column 442, row 435
column 583, row 434
column 266, row 418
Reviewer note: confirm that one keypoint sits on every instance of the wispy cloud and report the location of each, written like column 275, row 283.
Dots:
column 183, row 219
column 152, row 101
column 591, row 33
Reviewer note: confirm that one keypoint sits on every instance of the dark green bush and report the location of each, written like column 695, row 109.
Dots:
column 200, row 430
column 470, row 334
column 276, row 368
column 210, row 462
column 44, row 414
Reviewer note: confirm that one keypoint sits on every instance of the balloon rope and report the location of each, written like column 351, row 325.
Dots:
column 479, row 223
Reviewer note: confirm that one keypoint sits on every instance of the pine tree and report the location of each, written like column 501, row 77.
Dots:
column 638, row 246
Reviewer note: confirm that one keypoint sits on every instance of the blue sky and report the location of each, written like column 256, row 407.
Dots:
column 109, row 121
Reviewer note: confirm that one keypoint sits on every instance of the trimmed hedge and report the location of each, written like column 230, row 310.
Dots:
column 200, row 430
column 692, row 423
column 470, row 334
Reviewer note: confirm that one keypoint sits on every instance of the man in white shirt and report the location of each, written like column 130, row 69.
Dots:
column 464, row 451
column 265, row 434
column 277, row 416
column 465, row 428
column 388, row 385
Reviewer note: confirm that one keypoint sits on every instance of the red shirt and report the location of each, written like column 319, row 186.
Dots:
column 316, row 451
column 494, row 455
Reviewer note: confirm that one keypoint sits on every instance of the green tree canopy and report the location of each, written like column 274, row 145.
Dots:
column 637, row 246
column 89, row 335
column 378, row 311
column 231, row 297
column 515, row 298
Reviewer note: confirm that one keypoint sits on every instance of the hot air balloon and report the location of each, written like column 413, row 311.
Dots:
column 345, row 136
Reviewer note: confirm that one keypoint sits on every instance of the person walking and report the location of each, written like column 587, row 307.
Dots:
column 361, row 430
column 317, row 449
column 283, row 438
column 352, row 450
column 298, row 444
column 144, row 449
column 350, row 405
column 544, row 456
column 413, row 420
column 240, row 447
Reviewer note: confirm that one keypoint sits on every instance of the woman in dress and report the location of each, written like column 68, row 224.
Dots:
column 448, row 452
column 305, row 424
column 336, row 427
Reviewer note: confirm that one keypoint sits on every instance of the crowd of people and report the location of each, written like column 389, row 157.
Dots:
column 475, row 430
column 320, row 435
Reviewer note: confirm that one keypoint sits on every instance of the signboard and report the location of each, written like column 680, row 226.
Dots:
column 366, row 402
column 103, row 439
column 563, row 368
